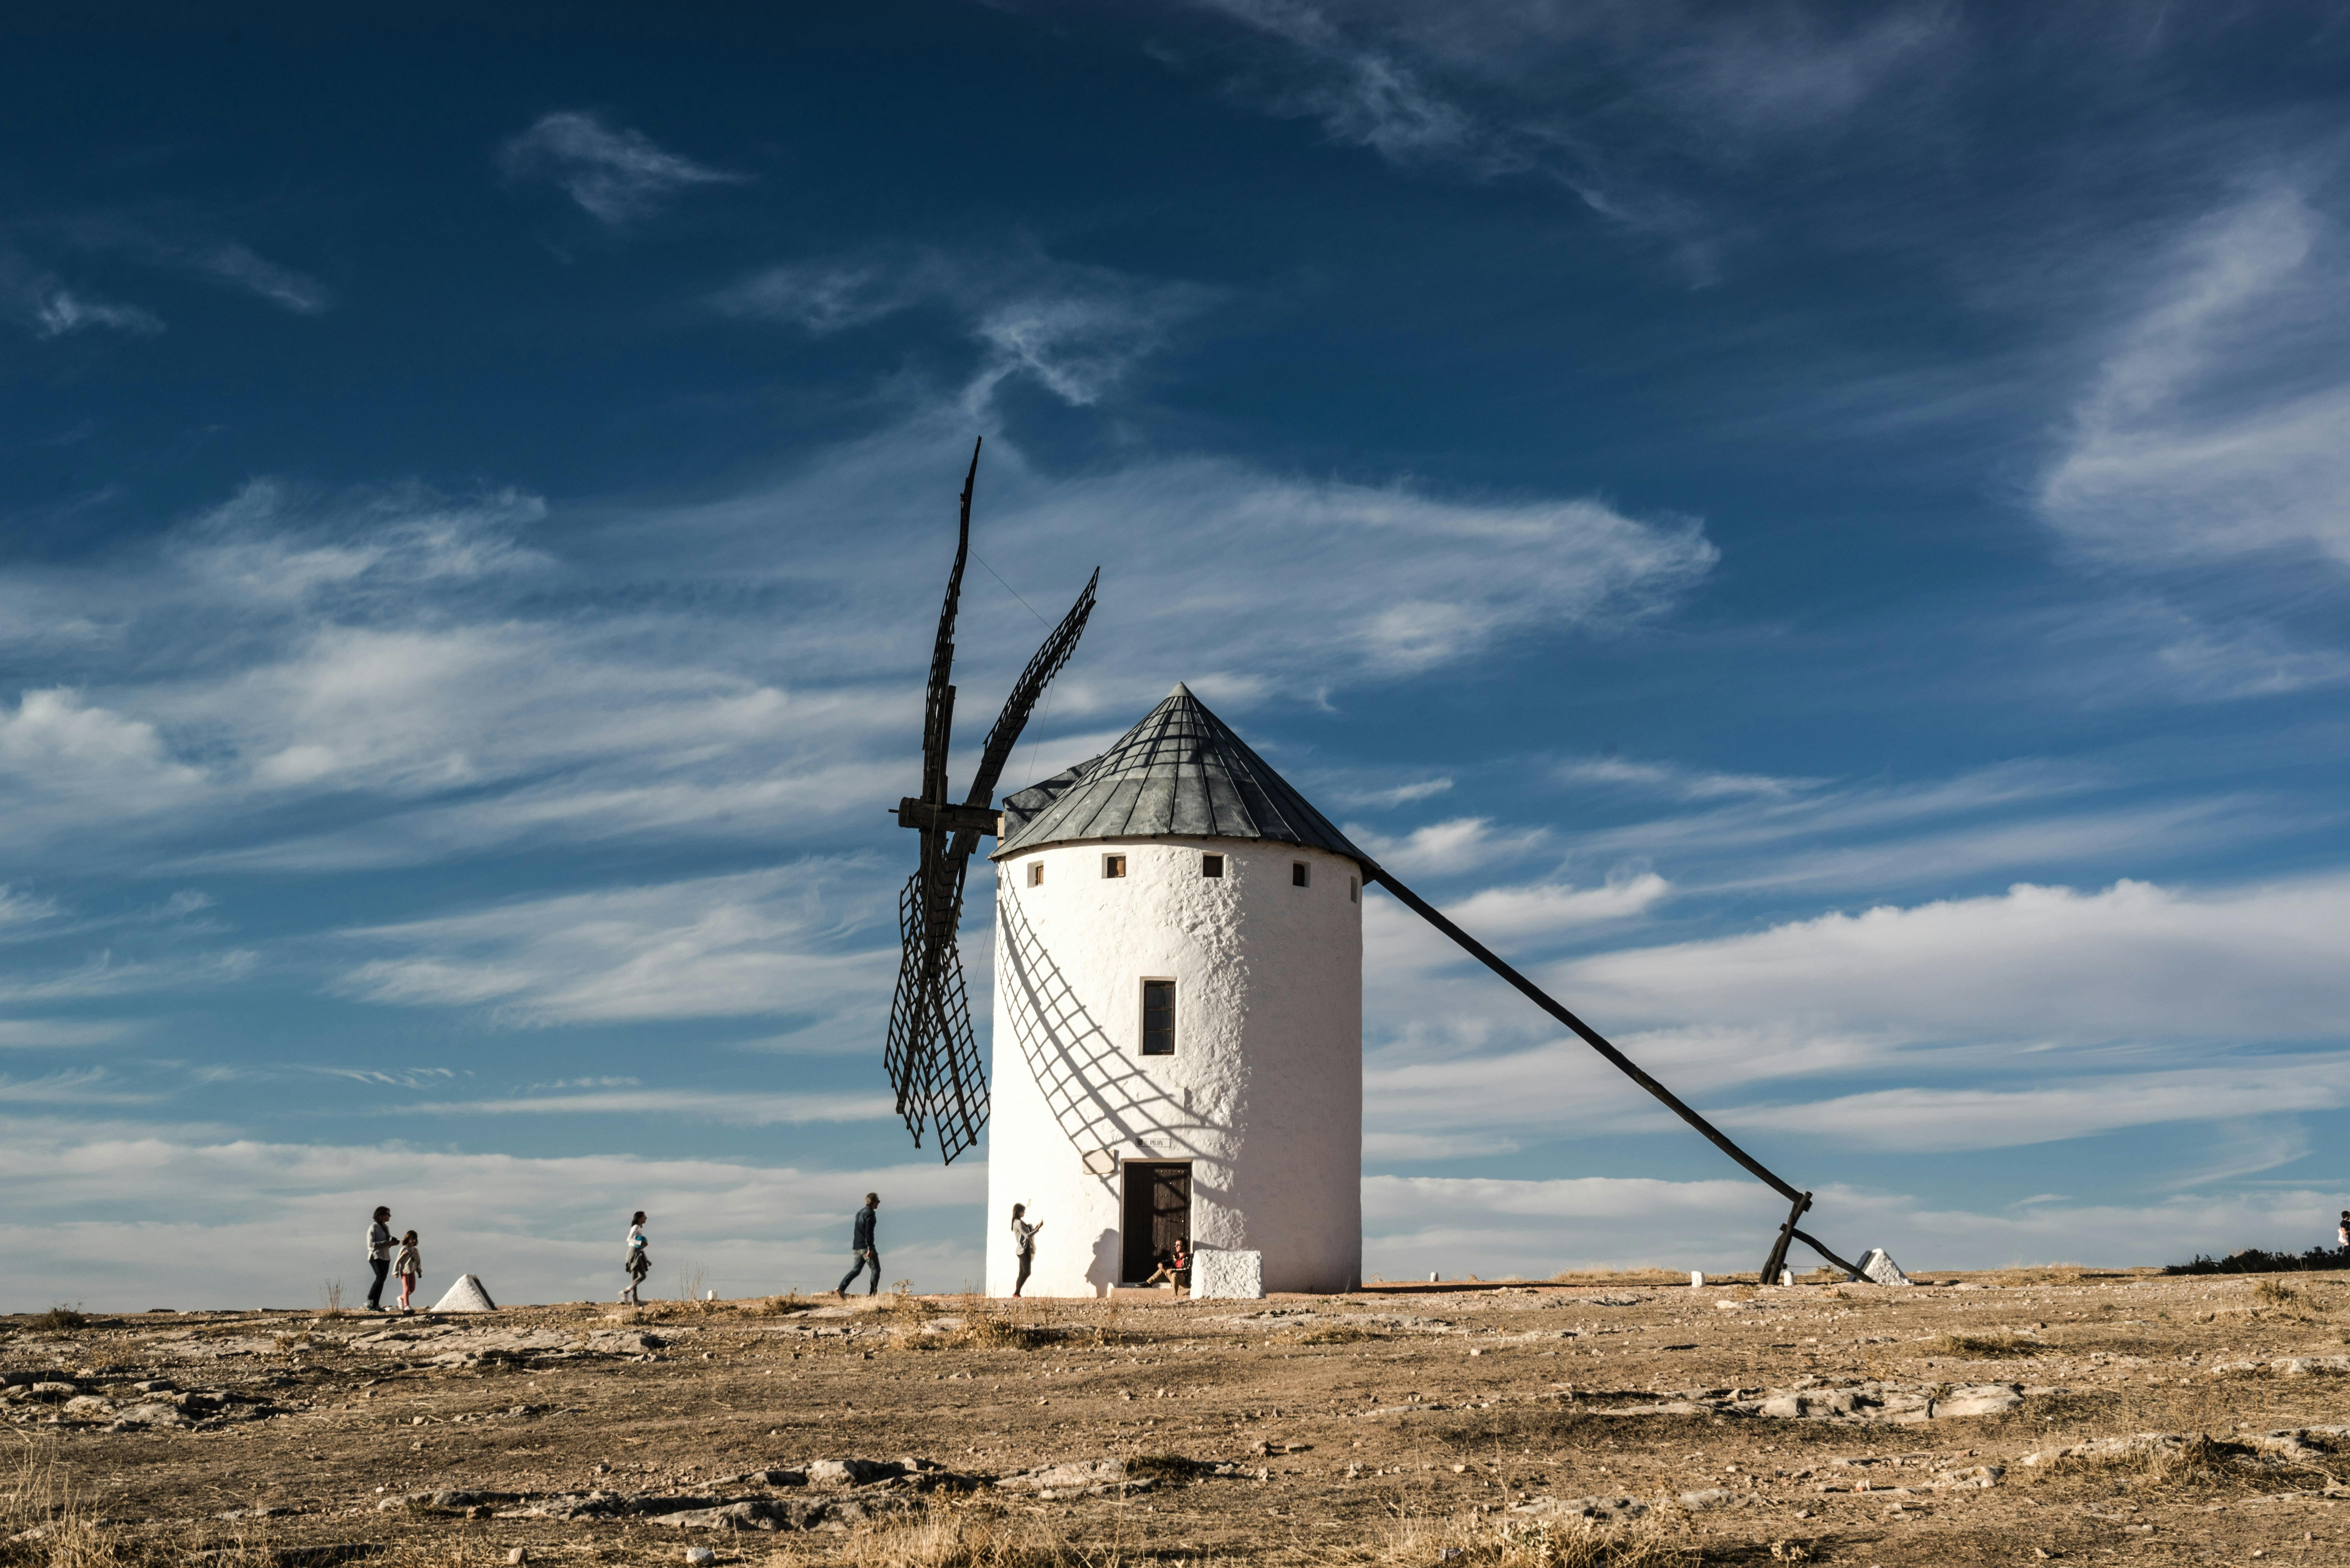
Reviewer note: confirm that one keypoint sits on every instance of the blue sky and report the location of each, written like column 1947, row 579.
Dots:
column 1819, row 531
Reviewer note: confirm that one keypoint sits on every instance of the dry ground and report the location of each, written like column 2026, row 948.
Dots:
column 1615, row 1420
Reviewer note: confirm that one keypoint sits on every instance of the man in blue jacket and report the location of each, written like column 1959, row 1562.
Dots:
column 860, row 1241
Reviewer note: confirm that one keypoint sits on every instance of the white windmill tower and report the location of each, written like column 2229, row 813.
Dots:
column 1179, row 1017
column 1178, row 997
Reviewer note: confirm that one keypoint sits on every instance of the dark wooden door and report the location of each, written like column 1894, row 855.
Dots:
column 1158, row 1217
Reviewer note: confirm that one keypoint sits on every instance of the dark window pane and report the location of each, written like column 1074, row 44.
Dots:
column 1212, row 866
column 1113, row 864
column 1158, row 1018
column 1297, row 873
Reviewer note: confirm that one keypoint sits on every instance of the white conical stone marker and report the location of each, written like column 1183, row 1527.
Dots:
column 468, row 1295
column 1877, row 1267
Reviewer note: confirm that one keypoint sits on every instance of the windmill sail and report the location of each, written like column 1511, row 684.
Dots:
column 931, row 1056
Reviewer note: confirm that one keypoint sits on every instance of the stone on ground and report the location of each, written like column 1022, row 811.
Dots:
column 468, row 1295
column 1225, row 1275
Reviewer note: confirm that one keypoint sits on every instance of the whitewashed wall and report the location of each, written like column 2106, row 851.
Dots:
column 1265, row 1092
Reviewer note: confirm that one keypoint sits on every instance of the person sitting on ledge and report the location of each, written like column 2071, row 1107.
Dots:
column 1174, row 1268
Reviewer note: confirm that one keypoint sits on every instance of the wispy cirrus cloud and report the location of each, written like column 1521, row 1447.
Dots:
column 57, row 311
column 2218, row 420
column 2036, row 1015
column 732, row 1107
column 617, row 174
column 744, row 945
column 2035, row 963
column 1673, row 780
column 1608, row 101
column 1077, row 331
column 241, row 266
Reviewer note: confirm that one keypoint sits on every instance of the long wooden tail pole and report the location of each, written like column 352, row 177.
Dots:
column 1629, row 1068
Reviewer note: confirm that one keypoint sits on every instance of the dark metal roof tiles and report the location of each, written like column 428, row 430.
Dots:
column 1181, row 773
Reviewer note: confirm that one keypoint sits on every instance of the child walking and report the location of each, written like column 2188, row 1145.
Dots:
column 410, row 1266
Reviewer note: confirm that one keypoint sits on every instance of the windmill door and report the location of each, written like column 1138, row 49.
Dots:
column 1158, row 1217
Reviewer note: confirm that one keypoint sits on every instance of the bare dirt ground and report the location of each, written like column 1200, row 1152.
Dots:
column 2014, row 1417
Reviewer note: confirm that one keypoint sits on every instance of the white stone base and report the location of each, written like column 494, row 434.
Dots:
column 1227, row 1275
column 1877, row 1267
column 468, row 1295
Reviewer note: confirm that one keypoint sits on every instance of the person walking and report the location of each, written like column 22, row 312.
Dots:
column 409, row 1267
column 635, row 1262
column 378, row 1253
column 1024, row 1238
column 860, row 1243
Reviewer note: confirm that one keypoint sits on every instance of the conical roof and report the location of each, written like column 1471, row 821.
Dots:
column 1179, row 772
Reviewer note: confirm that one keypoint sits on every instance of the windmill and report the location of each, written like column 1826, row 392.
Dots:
column 1175, row 801
column 933, row 1061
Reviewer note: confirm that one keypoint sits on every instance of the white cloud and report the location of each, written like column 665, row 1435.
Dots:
column 1683, row 783
column 615, row 173
column 1599, row 99
column 2038, row 1014
column 1928, row 1120
column 57, row 312
column 1370, row 798
column 734, row 1108
column 1444, row 849
column 754, row 943
column 2218, row 423
column 2132, row 960
column 1547, row 909
column 50, row 1033
column 128, row 1217
column 826, row 296
column 1077, row 331
column 442, row 675
column 1469, row 1225
column 1211, row 556
column 79, row 1086
column 239, row 265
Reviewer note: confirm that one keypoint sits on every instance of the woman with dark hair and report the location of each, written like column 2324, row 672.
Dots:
column 635, row 1262
column 1023, row 1240
column 378, row 1253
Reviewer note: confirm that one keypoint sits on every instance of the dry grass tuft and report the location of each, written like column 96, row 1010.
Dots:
column 963, row 1537
column 1160, row 1467
column 983, row 1535
column 1338, row 1333
column 62, row 1319
column 1988, row 1346
column 1623, row 1277
column 988, row 1331
column 2275, row 1293
column 1482, row 1540
column 2201, row 1465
